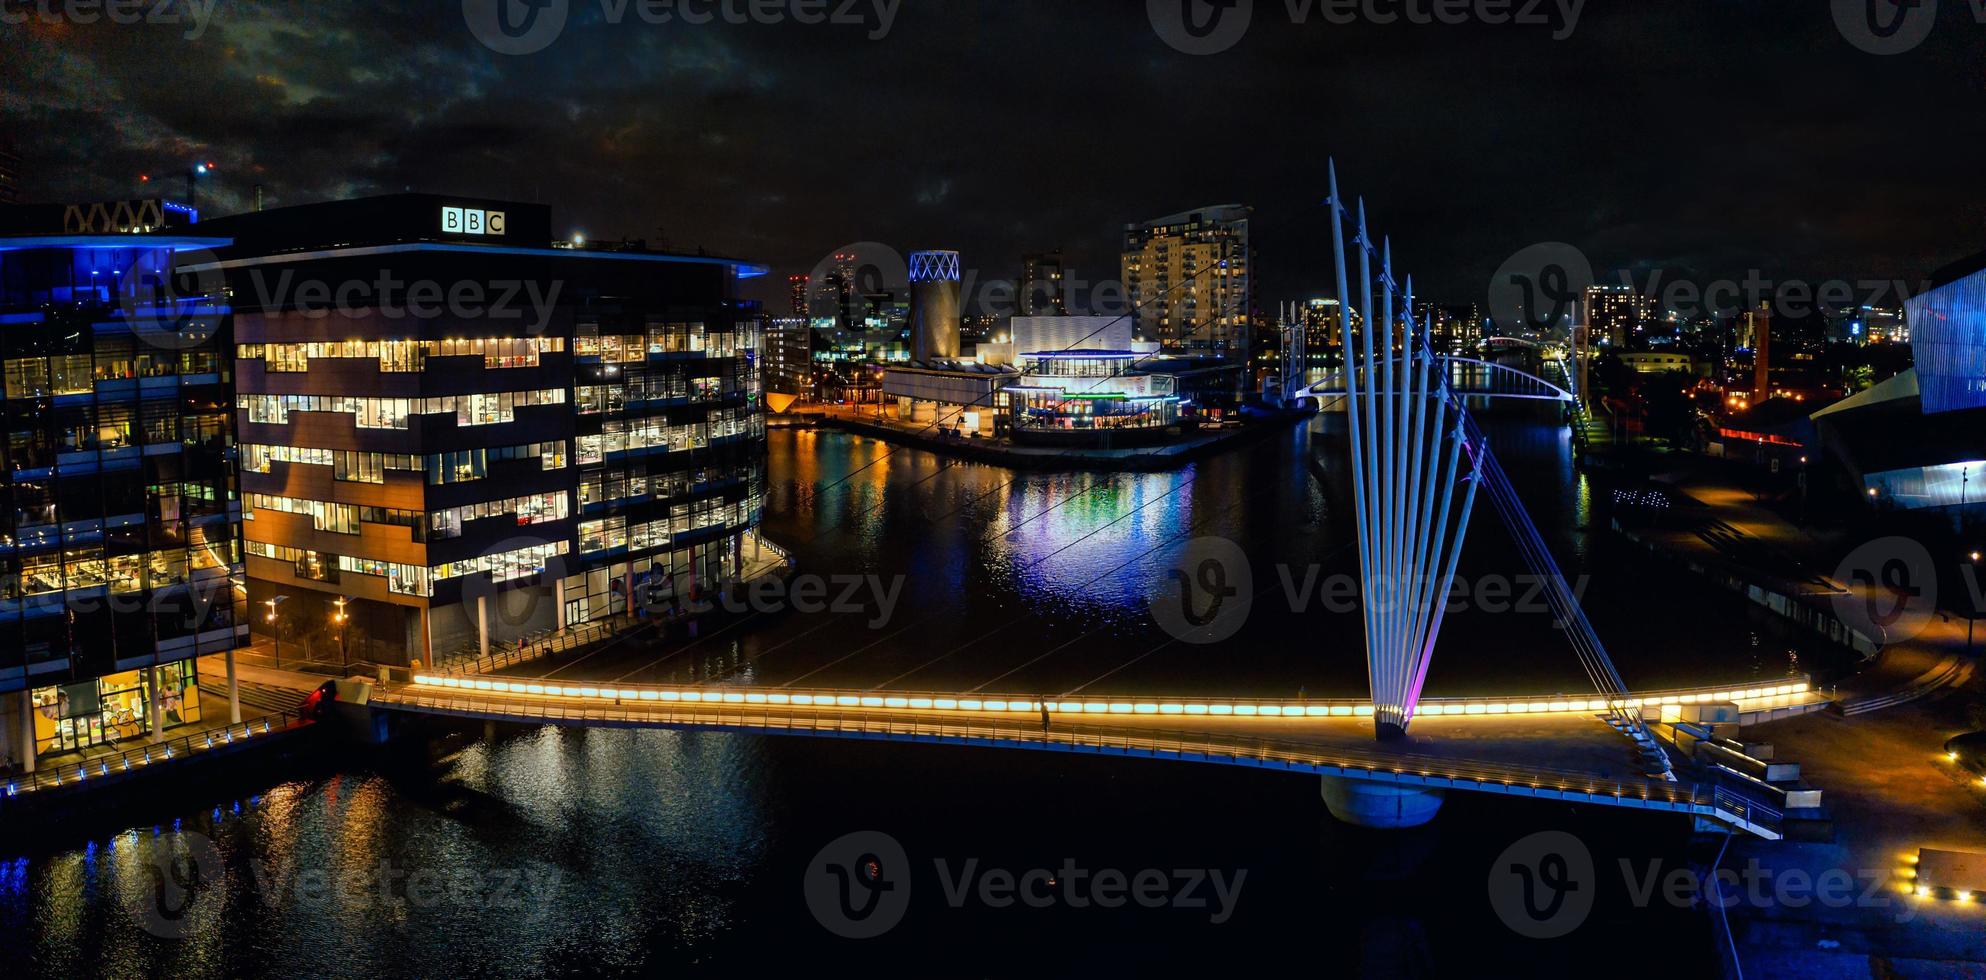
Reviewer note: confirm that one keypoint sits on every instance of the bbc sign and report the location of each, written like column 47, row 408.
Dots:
column 471, row 221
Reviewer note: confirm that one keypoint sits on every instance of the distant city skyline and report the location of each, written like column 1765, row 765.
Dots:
column 671, row 144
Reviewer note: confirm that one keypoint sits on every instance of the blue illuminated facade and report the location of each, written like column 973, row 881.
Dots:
column 1948, row 336
column 119, row 513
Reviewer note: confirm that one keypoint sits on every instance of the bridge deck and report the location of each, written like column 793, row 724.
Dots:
column 1583, row 759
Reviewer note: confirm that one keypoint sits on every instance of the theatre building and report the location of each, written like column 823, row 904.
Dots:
column 118, row 511
column 456, row 431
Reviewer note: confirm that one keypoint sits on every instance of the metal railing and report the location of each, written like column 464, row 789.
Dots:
column 72, row 773
column 1561, row 705
column 1751, row 811
column 1235, row 749
column 536, row 646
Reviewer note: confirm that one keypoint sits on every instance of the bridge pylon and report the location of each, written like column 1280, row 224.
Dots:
column 1418, row 460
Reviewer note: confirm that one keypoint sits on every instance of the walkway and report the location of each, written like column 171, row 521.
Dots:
column 1482, row 746
column 1754, row 543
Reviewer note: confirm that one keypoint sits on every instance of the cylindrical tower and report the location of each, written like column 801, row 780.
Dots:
column 934, row 305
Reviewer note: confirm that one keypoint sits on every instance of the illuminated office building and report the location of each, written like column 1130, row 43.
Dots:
column 454, row 433
column 119, row 523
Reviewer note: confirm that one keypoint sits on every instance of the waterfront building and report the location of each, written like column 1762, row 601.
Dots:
column 119, row 527
column 1912, row 442
column 1189, row 280
column 454, row 433
column 789, row 356
column 1324, row 328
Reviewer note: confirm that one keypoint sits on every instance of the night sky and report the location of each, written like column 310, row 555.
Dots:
column 1701, row 138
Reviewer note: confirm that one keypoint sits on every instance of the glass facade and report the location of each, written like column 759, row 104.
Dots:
column 669, row 452
column 111, row 709
column 447, row 476
column 118, row 532
column 1948, row 338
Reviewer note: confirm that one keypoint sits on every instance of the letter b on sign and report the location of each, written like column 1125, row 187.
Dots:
column 471, row 221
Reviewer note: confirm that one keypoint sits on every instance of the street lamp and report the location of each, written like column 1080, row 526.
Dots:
column 1972, row 615
column 274, row 632
column 340, row 618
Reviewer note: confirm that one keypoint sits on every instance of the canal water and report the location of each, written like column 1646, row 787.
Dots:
column 575, row 853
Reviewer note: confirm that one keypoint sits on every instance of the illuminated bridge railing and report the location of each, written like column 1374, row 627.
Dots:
column 1184, row 707
column 1354, row 758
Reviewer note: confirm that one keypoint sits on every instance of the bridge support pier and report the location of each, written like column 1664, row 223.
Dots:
column 1385, row 806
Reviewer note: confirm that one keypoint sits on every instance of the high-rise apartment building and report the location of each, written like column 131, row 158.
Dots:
column 800, row 295
column 1617, row 312
column 1188, row 279
column 1043, row 285
column 1324, row 328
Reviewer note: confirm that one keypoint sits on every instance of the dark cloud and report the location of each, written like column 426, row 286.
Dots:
column 1701, row 138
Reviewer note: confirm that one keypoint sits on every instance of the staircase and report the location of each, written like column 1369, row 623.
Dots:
column 256, row 699
column 1593, row 433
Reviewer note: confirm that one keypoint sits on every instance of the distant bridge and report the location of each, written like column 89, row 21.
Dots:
column 1468, row 377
